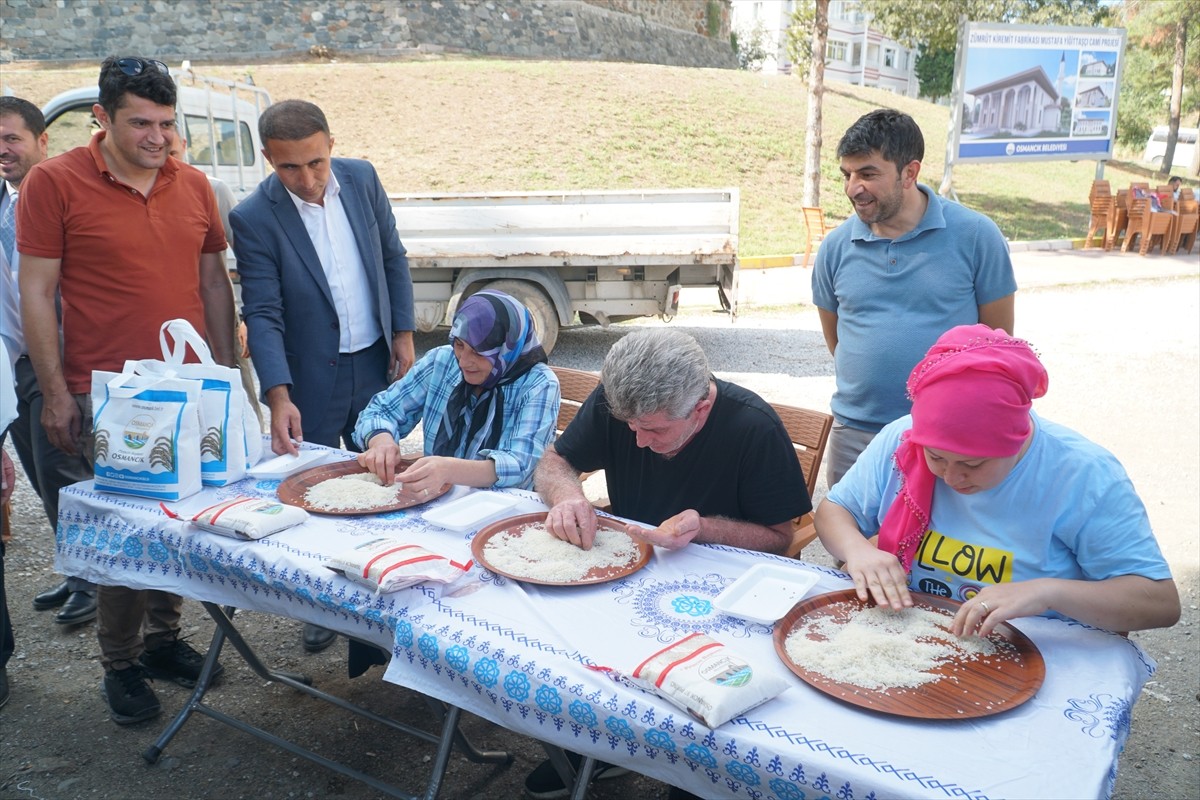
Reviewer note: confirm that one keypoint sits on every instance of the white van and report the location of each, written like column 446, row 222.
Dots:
column 1185, row 146
column 218, row 117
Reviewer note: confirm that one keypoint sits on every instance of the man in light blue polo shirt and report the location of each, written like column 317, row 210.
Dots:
column 889, row 281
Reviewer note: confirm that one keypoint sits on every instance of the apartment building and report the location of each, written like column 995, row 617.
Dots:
column 856, row 53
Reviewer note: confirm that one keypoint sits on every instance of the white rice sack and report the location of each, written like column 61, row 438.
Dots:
column 147, row 435
column 707, row 679
column 246, row 517
column 387, row 565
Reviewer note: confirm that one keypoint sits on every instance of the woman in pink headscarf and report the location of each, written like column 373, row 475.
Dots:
column 976, row 498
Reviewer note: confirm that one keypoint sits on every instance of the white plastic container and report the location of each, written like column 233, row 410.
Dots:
column 765, row 592
column 472, row 512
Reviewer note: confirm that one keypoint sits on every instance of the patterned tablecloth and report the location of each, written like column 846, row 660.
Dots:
column 520, row 655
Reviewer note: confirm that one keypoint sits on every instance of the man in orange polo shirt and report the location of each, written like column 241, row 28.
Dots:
column 131, row 239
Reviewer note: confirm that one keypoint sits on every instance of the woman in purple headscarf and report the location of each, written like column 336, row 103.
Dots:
column 976, row 498
column 488, row 402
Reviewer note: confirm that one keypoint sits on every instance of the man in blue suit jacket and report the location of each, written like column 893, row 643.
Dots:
column 326, row 291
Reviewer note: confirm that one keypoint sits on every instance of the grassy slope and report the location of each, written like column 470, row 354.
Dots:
column 475, row 125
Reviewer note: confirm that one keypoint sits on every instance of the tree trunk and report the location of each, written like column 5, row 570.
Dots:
column 1176, row 93
column 816, row 92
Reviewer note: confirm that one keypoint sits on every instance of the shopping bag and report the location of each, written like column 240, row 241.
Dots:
column 230, row 440
column 147, row 435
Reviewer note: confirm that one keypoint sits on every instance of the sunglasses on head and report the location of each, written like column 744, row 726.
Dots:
column 133, row 65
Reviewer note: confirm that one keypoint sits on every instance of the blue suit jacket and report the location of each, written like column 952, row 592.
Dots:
column 291, row 321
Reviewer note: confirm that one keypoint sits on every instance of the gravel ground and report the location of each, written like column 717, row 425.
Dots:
column 1123, row 360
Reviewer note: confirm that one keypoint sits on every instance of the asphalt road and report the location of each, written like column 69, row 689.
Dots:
column 1123, row 352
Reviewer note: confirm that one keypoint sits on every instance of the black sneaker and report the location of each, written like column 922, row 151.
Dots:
column 545, row 784
column 129, row 698
column 178, row 662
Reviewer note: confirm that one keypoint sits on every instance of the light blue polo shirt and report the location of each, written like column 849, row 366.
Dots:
column 895, row 297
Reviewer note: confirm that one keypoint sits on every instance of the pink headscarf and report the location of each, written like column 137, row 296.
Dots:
column 971, row 395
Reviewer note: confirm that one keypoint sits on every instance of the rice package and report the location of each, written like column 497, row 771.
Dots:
column 388, row 565
column 245, row 517
column 147, row 435
column 707, row 679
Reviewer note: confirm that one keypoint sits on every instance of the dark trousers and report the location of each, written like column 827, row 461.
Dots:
column 360, row 376
column 7, row 643
column 47, row 468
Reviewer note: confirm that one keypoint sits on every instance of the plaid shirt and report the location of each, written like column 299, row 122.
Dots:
column 530, row 414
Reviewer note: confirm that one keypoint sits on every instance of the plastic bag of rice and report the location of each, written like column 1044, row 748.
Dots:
column 387, row 565
column 244, row 517
column 707, row 679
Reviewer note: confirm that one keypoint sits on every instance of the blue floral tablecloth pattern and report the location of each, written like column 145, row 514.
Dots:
column 283, row 573
column 527, row 657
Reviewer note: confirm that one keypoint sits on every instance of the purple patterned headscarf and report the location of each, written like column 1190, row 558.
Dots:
column 500, row 329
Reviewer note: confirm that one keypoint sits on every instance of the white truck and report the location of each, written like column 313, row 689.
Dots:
column 605, row 256
column 593, row 256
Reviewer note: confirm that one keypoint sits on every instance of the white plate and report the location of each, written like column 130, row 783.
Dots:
column 280, row 467
column 765, row 592
column 472, row 512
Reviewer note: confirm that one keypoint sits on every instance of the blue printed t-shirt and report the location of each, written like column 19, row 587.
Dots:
column 1067, row 510
column 895, row 297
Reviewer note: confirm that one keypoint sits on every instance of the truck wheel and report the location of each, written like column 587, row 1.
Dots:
column 545, row 318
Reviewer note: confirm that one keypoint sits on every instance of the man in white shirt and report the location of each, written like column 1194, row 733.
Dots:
column 326, row 291
column 23, row 141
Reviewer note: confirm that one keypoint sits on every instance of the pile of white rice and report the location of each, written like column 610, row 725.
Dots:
column 535, row 553
column 878, row 648
column 358, row 492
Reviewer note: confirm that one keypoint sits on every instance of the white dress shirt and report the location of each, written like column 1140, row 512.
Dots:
column 329, row 229
column 8, row 196
column 10, row 315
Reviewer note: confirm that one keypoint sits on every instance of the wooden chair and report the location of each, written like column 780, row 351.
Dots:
column 1101, row 201
column 1136, row 212
column 815, row 227
column 575, row 385
column 809, row 432
column 1118, row 218
column 1187, row 221
column 1157, row 225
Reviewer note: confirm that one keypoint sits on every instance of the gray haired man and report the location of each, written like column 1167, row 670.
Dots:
column 703, row 459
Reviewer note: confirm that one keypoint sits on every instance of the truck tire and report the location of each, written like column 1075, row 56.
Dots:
column 545, row 318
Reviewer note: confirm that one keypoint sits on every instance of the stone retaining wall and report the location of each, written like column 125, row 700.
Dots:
column 675, row 32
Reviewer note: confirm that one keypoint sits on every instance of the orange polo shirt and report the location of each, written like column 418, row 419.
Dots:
column 129, row 262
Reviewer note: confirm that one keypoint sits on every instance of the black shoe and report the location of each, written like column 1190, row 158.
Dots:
column 545, row 784
column 3, row 686
column 178, row 662
column 129, row 698
column 52, row 598
column 79, row 608
column 317, row 638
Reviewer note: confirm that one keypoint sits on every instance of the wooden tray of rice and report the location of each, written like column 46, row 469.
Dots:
column 348, row 489
column 907, row 663
column 523, row 549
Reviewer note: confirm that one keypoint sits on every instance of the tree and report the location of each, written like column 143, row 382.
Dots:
column 799, row 36
column 750, row 44
column 935, row 71
column 816, row 93
column 1159, row 65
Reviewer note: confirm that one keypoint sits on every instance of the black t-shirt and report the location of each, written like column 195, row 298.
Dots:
column 741, row 465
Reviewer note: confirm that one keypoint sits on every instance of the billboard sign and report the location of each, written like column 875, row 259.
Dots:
column 1034, row 92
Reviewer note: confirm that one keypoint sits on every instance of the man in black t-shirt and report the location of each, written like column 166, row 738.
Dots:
column 702, row 459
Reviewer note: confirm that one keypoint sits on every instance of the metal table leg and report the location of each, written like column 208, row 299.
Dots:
column 449, row 737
